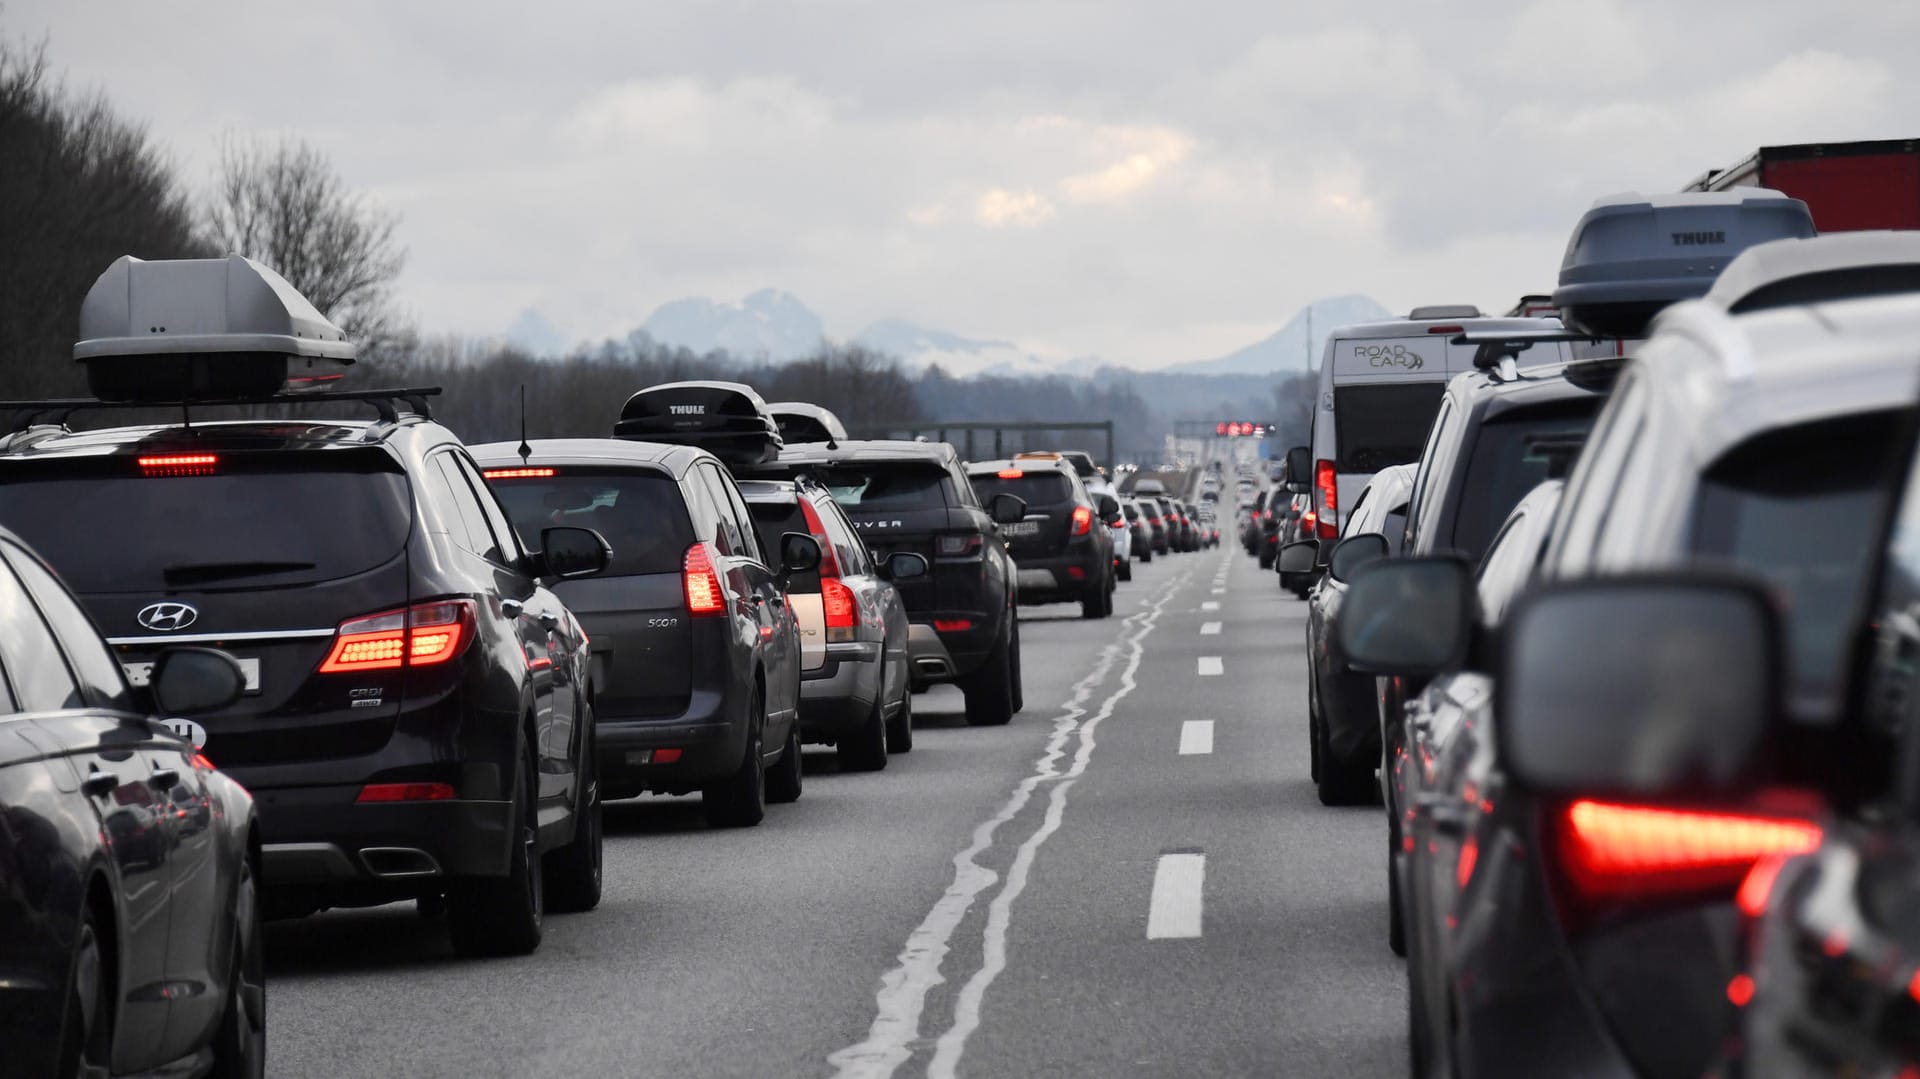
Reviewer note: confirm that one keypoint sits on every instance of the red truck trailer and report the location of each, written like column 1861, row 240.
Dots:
column 1848, row 185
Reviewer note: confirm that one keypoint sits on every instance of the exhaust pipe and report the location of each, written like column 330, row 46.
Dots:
column 393, row 863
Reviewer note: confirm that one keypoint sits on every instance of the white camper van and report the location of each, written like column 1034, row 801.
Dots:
column 1380, row 385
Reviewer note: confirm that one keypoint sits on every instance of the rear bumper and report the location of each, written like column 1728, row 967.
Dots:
column 935, row 656
column 320, row 842
column 838, row 695
column 1052, row 580
column 709, row 739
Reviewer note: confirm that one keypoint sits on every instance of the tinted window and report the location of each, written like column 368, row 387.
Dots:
column 774, row 518
column 41, row 681
column 1131, row 512
column 891, row 486
column 735, row 528
column 1379, row 426
column 94, row 665
column 1034, row 488
column 1511, row 456
column 1802, row 508
column 497, row 523
column 1893, row 683
column 272, row 520
column 640, row 514
column 473, row 520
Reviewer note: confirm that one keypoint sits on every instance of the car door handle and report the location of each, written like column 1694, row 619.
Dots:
column 100, row 784
column 164, row 779
column 511, row 608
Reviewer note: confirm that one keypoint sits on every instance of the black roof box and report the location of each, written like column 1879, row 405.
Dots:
column 727, row 419
column 801, row 422
column 1632, row 254
column 203, row 329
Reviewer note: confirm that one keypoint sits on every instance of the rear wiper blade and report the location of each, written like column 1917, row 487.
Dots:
column 198, row 572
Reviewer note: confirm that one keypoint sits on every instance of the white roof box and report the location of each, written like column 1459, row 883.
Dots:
column 209, row 329
column 802, row 422
column 1837, row 266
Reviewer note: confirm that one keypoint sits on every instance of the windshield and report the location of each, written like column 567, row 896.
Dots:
column 1033, row 488
column 1511, row 456
column 264, row 520
column 1376, row 427
column 641, row 515
column 892, row 486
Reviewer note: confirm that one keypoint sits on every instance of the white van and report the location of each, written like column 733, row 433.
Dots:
column 1380, row 386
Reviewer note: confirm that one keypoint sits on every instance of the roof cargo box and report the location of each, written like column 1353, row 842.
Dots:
column 727, row 419
column 801, row 422
column 203, row 329
column 1839, row 266
column 1632, row 255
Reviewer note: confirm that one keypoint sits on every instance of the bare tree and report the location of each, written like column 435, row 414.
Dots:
column 286, row 206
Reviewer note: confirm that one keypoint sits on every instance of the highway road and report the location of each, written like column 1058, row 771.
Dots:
column 1134, row 878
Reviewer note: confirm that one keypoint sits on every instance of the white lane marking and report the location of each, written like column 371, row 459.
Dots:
column 895, row 1032
column 1209, row 629
column 1210, row 667
column 1219, row 591
column 1196, row 737
column 1174, row 912
column 1210, row 605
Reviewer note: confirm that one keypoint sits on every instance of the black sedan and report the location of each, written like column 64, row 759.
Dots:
column 129, row 926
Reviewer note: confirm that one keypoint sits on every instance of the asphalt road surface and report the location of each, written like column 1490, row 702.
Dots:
column 1133, row 878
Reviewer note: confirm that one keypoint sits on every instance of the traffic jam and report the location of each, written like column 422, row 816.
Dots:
column 1564, row 687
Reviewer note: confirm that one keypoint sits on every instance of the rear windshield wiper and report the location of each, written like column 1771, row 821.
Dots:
column 200, row 572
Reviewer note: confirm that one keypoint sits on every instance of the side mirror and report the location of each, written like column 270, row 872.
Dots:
column 1638, row 686
column 905, row 566
column 568, row 553
column 799, row 553
column 187, row 681
column 1407, row 616
column 1353, row 552
column 1006, row 509
column 1108, row 506
column 1299, row 470
column 1299, row 556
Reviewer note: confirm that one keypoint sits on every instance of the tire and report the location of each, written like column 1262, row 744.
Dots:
column 1146, row 555
column 865, row 749
column 1396, row 927
column 1126, row 570
column 1338, row 782
column 499, row 916
column 785, row 778
column 740, row 800
column 1266, row 560
column 1098, row 604
column 240, row 1047
column 574, row 871
column 1016, row 683
column 88, row 1024
column 1313, row 727
column 900, row 727
column 990, row 691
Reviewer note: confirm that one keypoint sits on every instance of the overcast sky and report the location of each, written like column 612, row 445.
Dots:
column 1160, row 183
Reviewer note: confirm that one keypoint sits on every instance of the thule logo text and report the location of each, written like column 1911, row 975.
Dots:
column 687, row 410
column 1697, row 239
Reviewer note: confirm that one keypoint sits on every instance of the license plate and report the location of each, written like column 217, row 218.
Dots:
column 1022, row 528
column 139, row 674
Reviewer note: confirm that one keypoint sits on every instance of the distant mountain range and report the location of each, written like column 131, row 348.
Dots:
column 774, row 325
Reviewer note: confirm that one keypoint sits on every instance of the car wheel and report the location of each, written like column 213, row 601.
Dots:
column 240, row 1051
column 1146, row 555
column 990, row 691
column 1396, row 927
column 1266, row 560
column 1338, row 782
column 1016, row 683
column 740, row 800
column 574, row 871
column 1097, row 603
column 865, row 749
column 784, row 779
column 1126, row 570
column 496, row 916
column 900, row 727
column 88, row 1052
column 1313, row 727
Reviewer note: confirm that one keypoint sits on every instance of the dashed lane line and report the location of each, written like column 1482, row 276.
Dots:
column 1196, row 737
column 1210, row 667
column 1174, row 912
column 1210, row 605
column 1209, row 629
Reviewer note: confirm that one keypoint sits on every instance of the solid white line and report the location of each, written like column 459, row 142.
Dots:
column 1209, row 629
column 1196, row 737
column 1210, row 667
column 1174, row 912
column 1210, row 605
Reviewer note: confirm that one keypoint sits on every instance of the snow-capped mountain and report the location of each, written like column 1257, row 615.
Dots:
column 919, row 348
column 768, row 324
column 533, row 334
column 1288, row 349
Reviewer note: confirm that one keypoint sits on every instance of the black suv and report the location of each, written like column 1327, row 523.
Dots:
column 914, row 496
column 696, row 656
column 1062, row 548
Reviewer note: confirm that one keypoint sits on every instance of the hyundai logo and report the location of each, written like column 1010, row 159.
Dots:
column 166, row 617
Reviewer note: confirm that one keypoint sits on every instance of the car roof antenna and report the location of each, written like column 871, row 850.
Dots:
column 525, row 450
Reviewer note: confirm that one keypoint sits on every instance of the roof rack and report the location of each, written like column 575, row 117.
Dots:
column 26, row 414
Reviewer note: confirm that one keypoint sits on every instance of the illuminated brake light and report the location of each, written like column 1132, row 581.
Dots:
column 406, row 792
column 519, row 473
column 419, row 636
column 704, row 597
column 952, row 625
column 1740, row 990
column 1082, row 520
column 829, row 561
column 841, row 608
column 1329, row 487
column 1447, row 329
column 179, row 464
column 1616, row 850
column 1307, row 520
column 1010, row 473
column 1757, row 888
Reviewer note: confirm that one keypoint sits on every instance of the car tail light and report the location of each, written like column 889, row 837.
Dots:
column 1010, row 473
column 1082, row 520
column 1613, row 851
column 704, row 596
column 1307, row 520
column 1447, row 329
column 959, row 544
column 829, row 561
column 179, row 464
column 1756, row 889
column 1325, row 480
column 666, row 756
column 952, row 625
column 842, row 609
column 406, row 792
column 417, row 636
column 519, row 473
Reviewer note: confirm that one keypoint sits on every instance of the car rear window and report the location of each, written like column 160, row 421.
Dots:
column 642, row 515
column 1511, row 456
column 259, row 520
column 1034, row 488
column 1376, row 427
column 888, row 486
column 1802, row 508
column 1131, row 512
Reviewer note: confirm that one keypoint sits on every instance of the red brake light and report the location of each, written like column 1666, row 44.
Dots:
column 1757, row 888
column 1307, row 520
column 704, row 597
column 1082, row 520
column 829, row 561
column 179, row 464
column 406, row 792
column 1615, row 850
column 519, row 473
column 1010, row 473
column 958, row 544
column 952, row 625
column 1328, row 485
column 417, row 636
column 1447, row 329
column 842, row 609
